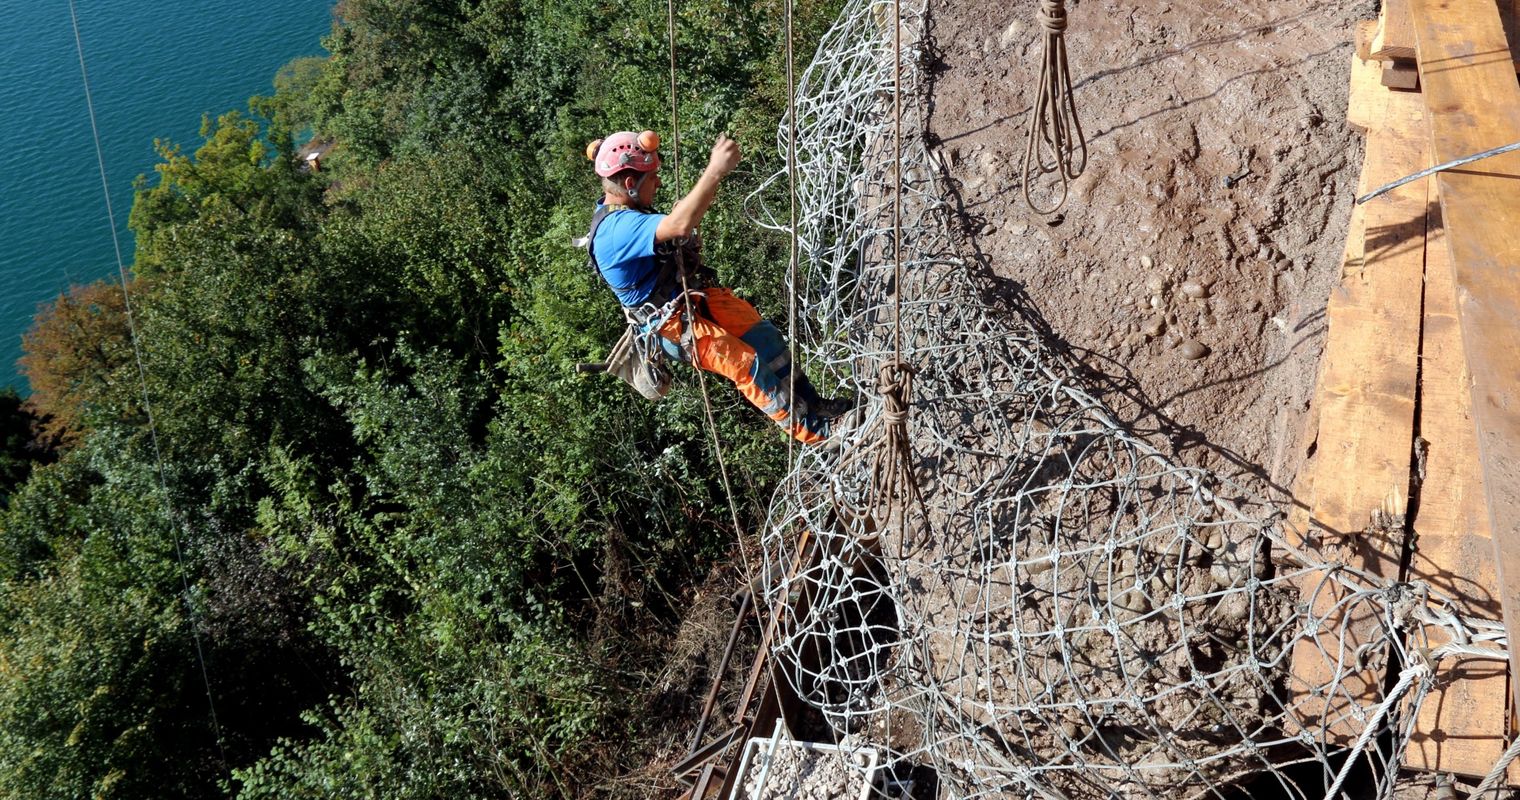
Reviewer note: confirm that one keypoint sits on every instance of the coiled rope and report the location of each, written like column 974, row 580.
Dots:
column 893, row 482
column 1056, row 144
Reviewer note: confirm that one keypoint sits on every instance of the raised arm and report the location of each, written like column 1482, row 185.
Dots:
column 689, row 210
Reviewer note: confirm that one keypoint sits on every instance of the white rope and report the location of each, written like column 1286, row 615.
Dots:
column 1411, row 673
column 175, row 521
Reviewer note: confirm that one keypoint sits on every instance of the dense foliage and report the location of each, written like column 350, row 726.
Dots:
column 22, row 442
column 356, row 529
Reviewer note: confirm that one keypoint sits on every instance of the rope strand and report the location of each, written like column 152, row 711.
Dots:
column 712, row 422
column 175, row 520
column 1056, row 144
column 893, row 482
column 791, row 187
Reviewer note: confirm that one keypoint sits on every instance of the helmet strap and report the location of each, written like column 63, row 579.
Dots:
column 633, row 191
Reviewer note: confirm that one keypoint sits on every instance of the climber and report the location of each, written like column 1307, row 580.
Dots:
column 641, row 253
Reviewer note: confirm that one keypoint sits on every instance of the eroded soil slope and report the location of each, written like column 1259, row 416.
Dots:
column 1202, row 301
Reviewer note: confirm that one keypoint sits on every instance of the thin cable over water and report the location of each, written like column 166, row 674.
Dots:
column 174, row 518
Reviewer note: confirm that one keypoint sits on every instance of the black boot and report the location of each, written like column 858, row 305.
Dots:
column 834, row 407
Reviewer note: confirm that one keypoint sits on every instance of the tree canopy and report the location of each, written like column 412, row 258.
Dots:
column 356, row 528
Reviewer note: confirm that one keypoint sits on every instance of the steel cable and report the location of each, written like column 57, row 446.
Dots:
column 1090, row 616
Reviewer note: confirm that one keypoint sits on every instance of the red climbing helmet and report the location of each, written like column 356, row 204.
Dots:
column 625, row 150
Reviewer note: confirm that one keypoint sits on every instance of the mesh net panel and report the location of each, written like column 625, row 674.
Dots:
column 1070, row 612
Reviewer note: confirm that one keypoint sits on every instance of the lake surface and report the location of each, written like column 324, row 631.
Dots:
column 155, row 68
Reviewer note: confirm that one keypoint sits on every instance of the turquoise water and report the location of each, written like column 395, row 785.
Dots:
column 155, row 68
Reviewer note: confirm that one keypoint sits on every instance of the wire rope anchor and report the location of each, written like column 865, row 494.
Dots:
column 1056, row 144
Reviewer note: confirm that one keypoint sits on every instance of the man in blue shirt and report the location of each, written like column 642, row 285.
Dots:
column 642, row 254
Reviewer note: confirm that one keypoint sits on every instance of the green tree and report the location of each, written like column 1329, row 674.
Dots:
column 418, row 554
column 243, row 173
column 97, row 694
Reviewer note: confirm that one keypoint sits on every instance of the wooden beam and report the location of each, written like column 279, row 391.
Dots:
column 1365, row 30
column 1401, row 75
column 1371, row 350
column 1461, row 724
column 1312, row 672
column 1391, row 37
column 1357, row 493
column 1474, row 104
column 1364, row 105
column 1395, row 32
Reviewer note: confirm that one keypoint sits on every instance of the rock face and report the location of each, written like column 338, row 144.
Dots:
column 1074, row 607
column 1173, row 98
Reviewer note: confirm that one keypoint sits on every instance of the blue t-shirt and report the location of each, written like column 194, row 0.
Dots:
column 624, row 250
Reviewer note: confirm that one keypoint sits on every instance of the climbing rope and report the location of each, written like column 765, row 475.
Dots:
column 691, row 315
column 791, row 188
column 893, row 482
column 1056, row 144
column 175, row 520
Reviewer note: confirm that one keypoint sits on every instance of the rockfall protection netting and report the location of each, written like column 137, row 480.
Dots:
column 1070, row 612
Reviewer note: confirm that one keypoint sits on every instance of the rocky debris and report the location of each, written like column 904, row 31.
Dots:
column 1195, row 290
column 801, row 773
column 1011, row 34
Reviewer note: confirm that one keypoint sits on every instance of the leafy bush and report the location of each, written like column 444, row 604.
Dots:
column 378, row 523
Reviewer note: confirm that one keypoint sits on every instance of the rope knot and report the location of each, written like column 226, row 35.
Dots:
column 893, row 483
column 1056, row 144
column 1053, row 15
column 895, row 384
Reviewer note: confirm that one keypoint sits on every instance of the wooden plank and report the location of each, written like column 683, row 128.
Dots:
column 1365, row 30
column 1451, row 517
column 1395, row 32
column 1401, row 75
column 1474, row 104
column 1371, row 349
column 1311, row 671
column 1391, row 37
column 1365, row 398
column 1461, row 724
column 1364, row 106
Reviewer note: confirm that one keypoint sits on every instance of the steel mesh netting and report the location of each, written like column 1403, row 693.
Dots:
column 1068, row 612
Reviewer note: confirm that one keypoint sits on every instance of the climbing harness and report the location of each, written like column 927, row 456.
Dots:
column 671, row 258
column 639, row 356
column 1056, row 144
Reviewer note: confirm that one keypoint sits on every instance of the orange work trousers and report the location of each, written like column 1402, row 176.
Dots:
column 732, row 340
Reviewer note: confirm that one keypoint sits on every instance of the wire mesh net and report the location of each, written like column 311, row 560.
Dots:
column 1068, row 611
